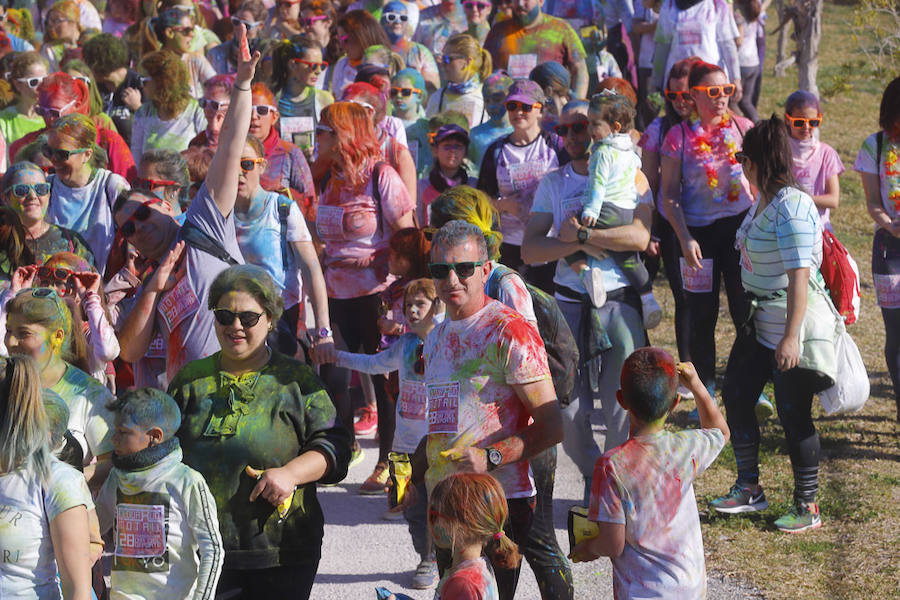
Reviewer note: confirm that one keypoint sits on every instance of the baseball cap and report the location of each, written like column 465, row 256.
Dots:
column 448, row 131
column 527, row 91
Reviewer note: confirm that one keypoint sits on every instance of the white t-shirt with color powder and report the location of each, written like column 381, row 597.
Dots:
column 647, row 485
column 867, row 162
column 90, row 422
column 28, row 569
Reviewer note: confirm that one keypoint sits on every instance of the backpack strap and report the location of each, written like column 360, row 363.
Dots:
column 498, row 274
column 284, row 209
column 197, row 238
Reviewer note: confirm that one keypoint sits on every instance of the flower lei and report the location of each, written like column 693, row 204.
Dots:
column 892, row 174
column 721, row 135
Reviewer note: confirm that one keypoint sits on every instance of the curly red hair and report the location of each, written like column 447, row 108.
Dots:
column 356, row 140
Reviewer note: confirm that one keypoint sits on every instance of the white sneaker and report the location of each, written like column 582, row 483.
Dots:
column 652, row 311
column 593, row 283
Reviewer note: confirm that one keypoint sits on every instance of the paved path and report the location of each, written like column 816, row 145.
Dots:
column 361, row 551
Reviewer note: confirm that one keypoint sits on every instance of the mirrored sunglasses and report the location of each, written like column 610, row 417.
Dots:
column 21, row 190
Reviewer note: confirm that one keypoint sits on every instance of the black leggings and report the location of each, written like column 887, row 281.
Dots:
column 886, row 261
column 716, row 242
column 669, row 252
column 750, row 366
column 292, row 582
column 355, row 321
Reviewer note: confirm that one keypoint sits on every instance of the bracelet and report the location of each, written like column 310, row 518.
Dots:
column 246, row 89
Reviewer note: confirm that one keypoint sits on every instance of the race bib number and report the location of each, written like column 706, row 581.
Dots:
column 697, row 282
column 523, row 176
column 887, row 290
column 140, row 530
column 330, row 221
column 157, row 348
column 689, row 34
column 443, row 407
column 520, row 65
column 413, row 400
column 177, row 305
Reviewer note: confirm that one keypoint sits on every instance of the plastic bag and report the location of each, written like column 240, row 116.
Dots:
column 851, row 388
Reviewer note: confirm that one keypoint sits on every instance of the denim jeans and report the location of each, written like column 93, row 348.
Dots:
column 625, row 328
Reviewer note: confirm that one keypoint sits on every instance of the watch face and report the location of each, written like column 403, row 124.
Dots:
column 494, row 457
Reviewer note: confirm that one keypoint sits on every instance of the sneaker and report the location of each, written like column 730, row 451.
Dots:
column 802, row 516
column 376, row 482
column 426, row 575
column 393, row 514
column 740, row 499
column 356, row 455
column 764, row 408
column 651, row 310
column 593, row 283
column 367, row 422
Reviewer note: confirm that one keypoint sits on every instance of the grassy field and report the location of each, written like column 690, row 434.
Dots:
column 856, row 553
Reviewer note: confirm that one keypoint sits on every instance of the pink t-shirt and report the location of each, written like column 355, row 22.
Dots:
column 701, row 205
column 470, row 367
column 814, row 164
column 356, row 230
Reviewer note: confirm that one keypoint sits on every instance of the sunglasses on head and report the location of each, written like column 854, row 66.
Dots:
column 799, row 122
column 263, row 109
column 60, row 155
column 206, row 103
column 472, row 4
column 54, row 274
column 312, row 65
column 674, row 96
column 394, row 18
column 248, row 164
column 32, row 82
column 151, row 185
column 248, row 24
column 464, row 270
column 141, row 214
column 308, row 21
column 515, row 105
column 247, row 318
column 54, row 113
column 714, row 91
column 21, row 190
column 576, row 128
column 405, row 92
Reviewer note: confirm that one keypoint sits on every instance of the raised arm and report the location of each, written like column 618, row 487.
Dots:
column 222, row 180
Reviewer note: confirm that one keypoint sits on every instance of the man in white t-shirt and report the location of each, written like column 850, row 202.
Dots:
column 486, row 376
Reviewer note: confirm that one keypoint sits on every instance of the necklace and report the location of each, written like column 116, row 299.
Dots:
column 892, row 175
column 722, row 135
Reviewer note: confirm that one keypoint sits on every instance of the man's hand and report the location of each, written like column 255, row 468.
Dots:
column 467, row 458
column 568, row 231
column 132, row 98
column 165, row 277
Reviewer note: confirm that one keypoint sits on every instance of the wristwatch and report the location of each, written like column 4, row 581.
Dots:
column 494, row 458
column 583, row 235
column 324, row 333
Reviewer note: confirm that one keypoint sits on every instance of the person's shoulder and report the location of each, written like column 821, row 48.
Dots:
column 742, row 123
column 555, row 23
column 84, row 383
column 195, row 371
column 287, row 370
column 63, row 475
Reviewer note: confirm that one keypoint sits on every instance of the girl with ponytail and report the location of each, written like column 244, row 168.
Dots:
column 297, row 66
column 465, row 65
column 466, row 516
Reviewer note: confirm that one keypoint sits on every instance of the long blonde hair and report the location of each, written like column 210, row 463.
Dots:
column 23, row 421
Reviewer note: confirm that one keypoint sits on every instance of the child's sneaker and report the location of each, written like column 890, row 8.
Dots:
column 740, row 499
column 802, row 516
column 764, row 408
column 426, row 575
column 367, row 421
column 652, row 311
column 376, row 482
column 593, row 283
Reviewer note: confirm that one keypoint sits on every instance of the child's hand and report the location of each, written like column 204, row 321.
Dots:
column 687, row 376
column 588, row 221
column 23, row 278
column 87, row 282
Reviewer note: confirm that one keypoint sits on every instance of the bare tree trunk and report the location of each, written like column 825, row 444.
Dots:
column 808, row 45
column 782, row 61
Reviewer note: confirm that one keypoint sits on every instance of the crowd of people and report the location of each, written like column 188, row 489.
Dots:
column 237, row 236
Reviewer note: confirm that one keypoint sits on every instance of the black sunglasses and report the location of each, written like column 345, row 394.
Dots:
column 247, row 318
column 141, row 214
column 576, row 128
column 464, row 270
column 60, row 155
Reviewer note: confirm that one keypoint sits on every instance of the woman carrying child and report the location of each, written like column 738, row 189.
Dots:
column 789, row 336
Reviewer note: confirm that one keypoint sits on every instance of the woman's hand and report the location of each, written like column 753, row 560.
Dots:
column 164, row 278
column 274, row 485
column 23, row 278
column 692, row 254
column 787, row 353
column 246, row 63
column 87, row 282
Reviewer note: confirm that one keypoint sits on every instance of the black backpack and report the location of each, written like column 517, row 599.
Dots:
column 562, row 352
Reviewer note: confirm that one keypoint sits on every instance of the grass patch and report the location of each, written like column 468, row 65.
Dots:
column 855, row 554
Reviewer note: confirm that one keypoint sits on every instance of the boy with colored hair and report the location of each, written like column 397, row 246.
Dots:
column 167, row 541
column 642, row 496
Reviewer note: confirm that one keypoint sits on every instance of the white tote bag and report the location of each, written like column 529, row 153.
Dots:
column 851, row 388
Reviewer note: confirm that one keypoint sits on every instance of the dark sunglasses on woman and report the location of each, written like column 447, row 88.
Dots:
column 60, row 155
column 515, row 105
column 464, row 270
column 576, row 128
column 247, row 318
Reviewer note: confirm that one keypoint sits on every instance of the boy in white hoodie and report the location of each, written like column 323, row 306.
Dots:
column 167, row 541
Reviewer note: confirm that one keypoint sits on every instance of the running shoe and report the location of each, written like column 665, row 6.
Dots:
column 801, row 516
column 367, row 421
column 376, row 482
column 651, row 310
column 764, row 408
column 393, row 514
column 426, row 575
column 740, row 499
column 593, row 283
column 356, row 455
